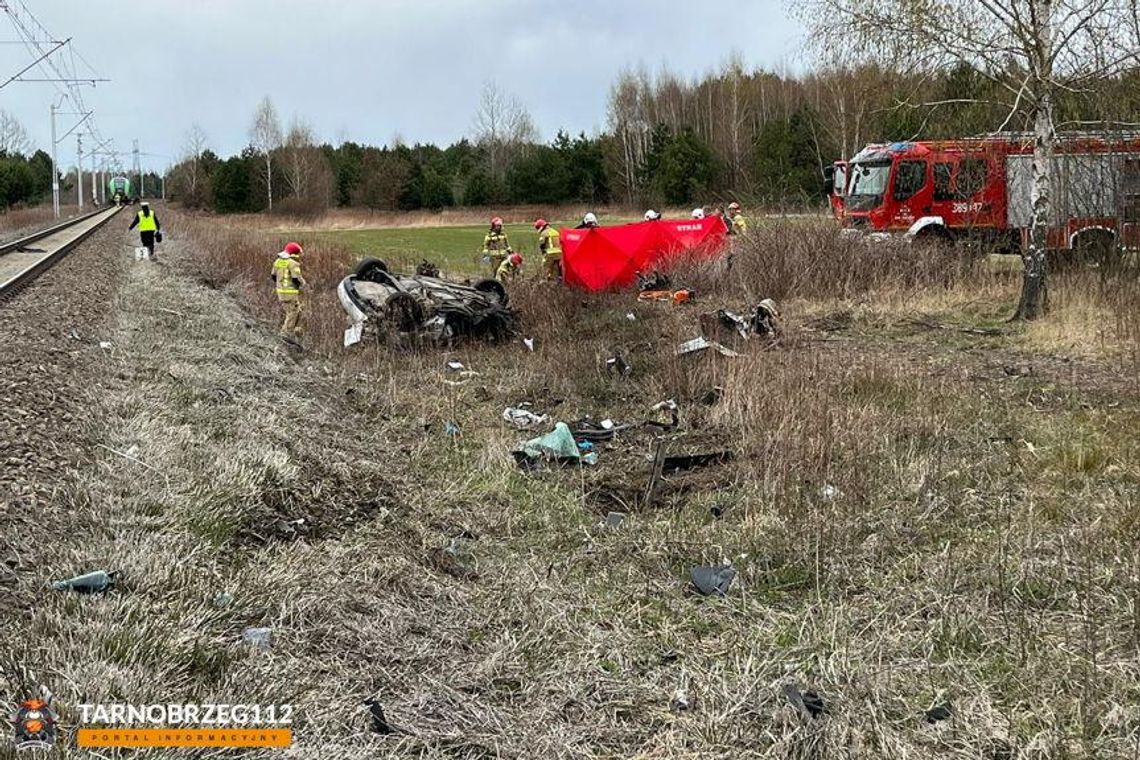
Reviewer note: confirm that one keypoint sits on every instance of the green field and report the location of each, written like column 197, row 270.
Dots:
column 455, row 249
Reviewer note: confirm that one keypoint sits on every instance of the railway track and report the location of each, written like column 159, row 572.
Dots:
column 22, row 260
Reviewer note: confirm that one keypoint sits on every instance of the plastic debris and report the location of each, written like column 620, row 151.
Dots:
column 558, row 443
column 557, row 446
column 222, row 599
column 529, row 343
column 522, row 418
column 691, row 461
column 379, row 722
column 74, row 334
column 450, row 428
column 713, row 580
column 701, row 344
column 939, row 712
column 615, row 519
column 631, row 317
column 607, row 424
column 680, row 702
column 585, row 446
column 88, row 583
column 830, row 492
column 455, row 366
column 105, row 345
column 619, row 365
column 807, row 703
column 258, row 638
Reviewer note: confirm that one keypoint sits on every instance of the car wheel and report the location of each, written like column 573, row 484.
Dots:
column 372, row 269
column 494, row 288
column 404, row 312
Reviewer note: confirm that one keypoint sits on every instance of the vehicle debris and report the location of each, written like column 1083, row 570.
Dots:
column 940, row 712
column 426, row 269
column 454, row 561
column 88, row 583
column 423, row 305
column 451, row 428
column 619, row 365
column 681, row 462
column 765, row 319
column 722, row 322
column 455, row 366
column 680, row 702
column 222, row 599
column 258, row 638
column 808, row 703
column 379, row 722
column 557, row 446
column 712, row 580
column 701, row 344
column 105, row 345
column 670, row 407
column 522, row 418
column 614, row 519
column 529, row 343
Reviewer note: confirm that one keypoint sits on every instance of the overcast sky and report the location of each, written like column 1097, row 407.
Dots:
column 368, row 70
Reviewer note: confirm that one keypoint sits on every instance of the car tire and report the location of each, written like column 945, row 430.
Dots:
column 404, row 312
column 371, row 269
column 494, row 288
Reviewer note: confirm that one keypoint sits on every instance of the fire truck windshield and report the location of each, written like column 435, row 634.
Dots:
column 867, row 185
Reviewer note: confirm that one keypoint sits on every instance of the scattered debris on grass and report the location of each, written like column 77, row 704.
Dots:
column 712, row 580
column 88, row 583
column 808, row 703
column 523, row 419
column 939, row 712
column 701, row 344
column 258, row 638
column 681, row 462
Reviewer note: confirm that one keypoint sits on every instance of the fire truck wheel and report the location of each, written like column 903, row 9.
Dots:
column 1096, row 248
column 935, row 237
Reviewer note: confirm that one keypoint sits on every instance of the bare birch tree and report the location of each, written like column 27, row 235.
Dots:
column 13, row 136
column 196, row 144
column 265, row 136
column 1034, row 49
column 502, row 126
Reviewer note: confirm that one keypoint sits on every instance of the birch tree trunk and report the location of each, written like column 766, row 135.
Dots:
column 1035, row 287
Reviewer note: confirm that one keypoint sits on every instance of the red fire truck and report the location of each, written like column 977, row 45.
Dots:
column 979, row 189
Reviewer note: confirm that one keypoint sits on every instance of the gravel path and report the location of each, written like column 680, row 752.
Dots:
column 49, row 336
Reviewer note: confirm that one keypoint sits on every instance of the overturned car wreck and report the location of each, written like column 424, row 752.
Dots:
column 421, row 306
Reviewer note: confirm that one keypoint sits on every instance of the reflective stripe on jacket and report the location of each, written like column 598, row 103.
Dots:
column 147, row 223
column 287, row 275
column 496, row 241
column 548, row 243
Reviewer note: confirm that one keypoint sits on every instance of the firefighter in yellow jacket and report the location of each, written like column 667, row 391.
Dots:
column 738, row 224
column 290, row 283
column 496, row 247
column 509, row 269
column 551, row 249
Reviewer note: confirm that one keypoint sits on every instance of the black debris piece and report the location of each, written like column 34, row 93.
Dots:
column 807, row 703
column 380, row 724
column 655, row 281
column 427, row 269
column 939, row 712
column 691, row 461
column 617, row 365
column 713, row 580
column 765, row 319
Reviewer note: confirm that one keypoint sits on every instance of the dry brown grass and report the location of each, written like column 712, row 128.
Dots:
column 910, row 524
column 18, row 221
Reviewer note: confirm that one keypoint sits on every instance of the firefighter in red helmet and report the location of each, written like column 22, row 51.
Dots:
column 550, row 247
column 496, row 247
column 509, row 269
column 290, row 284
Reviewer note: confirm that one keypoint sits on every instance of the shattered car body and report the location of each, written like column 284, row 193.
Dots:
column 423, row 306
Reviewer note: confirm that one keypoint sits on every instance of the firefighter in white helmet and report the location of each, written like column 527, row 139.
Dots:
column 698, row 213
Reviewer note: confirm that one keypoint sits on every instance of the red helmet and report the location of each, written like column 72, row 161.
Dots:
column 539, row 224
column 496, row 221
column 293, row 249
column 516, row 259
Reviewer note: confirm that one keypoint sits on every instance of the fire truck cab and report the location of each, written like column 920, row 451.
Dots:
column 980, row 190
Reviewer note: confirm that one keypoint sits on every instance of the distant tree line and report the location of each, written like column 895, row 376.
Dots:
column 25, row 176
column 753, row 135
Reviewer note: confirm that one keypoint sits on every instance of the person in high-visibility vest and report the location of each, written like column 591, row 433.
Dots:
column 290, row 283
column 551, row 249
column 509, row 268
column 147, row 222
column 739, row 224
column 496, row 247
